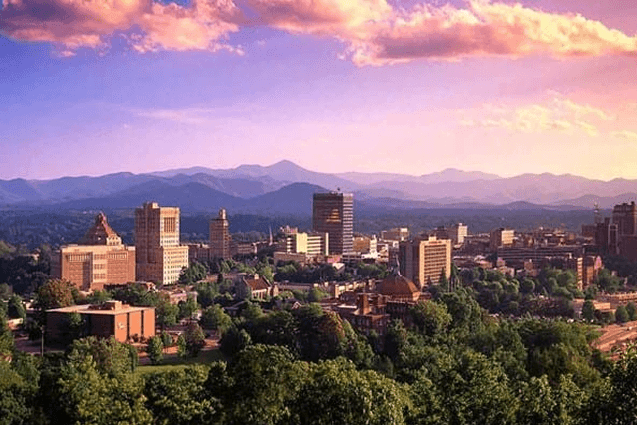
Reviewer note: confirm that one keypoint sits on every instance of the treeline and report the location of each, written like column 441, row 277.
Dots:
column 453, row 364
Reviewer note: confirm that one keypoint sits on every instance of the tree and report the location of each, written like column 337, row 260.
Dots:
column 334, row 392
column 188, row 308
column 265, row 382
column 16, row 308
column 179, row 396
column 109, row 356
column 55, row 293
column 87, row 395
column 155, row 350
column 234, row 340
column 215, row 318
column 621, row 315
column 430, row 317
column 631, row 309
column 192, row 274
column 166, row 313
column 181, row 346
column 194, row 338
column 588, row 310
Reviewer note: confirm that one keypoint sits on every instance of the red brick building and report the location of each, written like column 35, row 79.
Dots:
column 121, row 321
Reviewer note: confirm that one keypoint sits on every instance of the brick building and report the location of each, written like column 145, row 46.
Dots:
column 98, row 259
column 112, row 318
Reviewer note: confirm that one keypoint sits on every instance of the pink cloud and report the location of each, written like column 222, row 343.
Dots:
column 374, row 32
column 73, row 24
column 322, row 17
column 485, row 28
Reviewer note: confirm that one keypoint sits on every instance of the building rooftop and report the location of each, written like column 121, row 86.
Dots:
column 108, row 308
column 100, row 233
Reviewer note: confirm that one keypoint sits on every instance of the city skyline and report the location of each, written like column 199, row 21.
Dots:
column 409, row 87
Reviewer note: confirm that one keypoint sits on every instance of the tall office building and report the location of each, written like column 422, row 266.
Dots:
column 333, row 213
column 625, row 217
column 220, row 236
column 98, row 259
column 160, row 257
column 424, row 260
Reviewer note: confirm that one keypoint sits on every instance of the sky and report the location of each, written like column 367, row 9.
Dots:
column 91, row 87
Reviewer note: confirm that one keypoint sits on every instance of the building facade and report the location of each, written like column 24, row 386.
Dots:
column 160, row 257
column 424, row 261
column 501, row 238
column 111, row 319
column 220, row 236
column 98, row 259
column 333, row 213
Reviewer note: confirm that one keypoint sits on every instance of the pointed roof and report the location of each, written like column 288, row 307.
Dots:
column 101, row 233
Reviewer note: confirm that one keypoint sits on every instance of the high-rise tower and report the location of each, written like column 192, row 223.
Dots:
column 220, row 236
column 333, row 213
column 160, row 257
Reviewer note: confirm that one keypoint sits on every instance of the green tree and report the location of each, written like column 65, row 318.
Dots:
column 16, row 308
column 631, row 309
column 588, row 310
column 621, row 314
column 109, row 356
column 215, row 318
column 430, row 317
column 335, row 392
column 179, row 397
column 195, row 339
column 265, row 382
column 166, row 313
column 155, row 350
column 181, row 346
column 192, row 274
column 86, row 395
column 234, row 340
column 188, row 308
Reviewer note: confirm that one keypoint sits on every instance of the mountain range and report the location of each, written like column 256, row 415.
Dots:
column 286, row 188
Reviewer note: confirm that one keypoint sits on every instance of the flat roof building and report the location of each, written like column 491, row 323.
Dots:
column 160, row 257
column 424, row 261
column 111, row 319
column 333, row 213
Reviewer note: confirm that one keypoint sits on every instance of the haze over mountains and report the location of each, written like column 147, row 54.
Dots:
column 286, row 188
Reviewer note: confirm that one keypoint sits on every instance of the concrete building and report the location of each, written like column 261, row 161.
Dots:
column 397, row 234
column 457, row 233
column 625, row 217
column 424, row 260
column 333, row 213
column 220, row 236
column 160, row 257
column 99, row 259
column 111, row 319
column 365, row 244
column 501, row 238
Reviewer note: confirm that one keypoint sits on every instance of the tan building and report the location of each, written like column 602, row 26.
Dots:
column 424, row 260
column 160, row 257
column 457, row 233
column 112, row 318
column 397, row 234
column 99, row 259
column 501, row 238
column 220, row 236
column 365, row 244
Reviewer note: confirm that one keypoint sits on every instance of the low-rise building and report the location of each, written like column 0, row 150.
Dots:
column 111, row 319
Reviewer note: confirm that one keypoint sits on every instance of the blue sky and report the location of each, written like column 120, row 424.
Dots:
column 358, row 85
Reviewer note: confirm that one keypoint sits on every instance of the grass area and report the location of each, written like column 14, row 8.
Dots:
column 174, row 362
